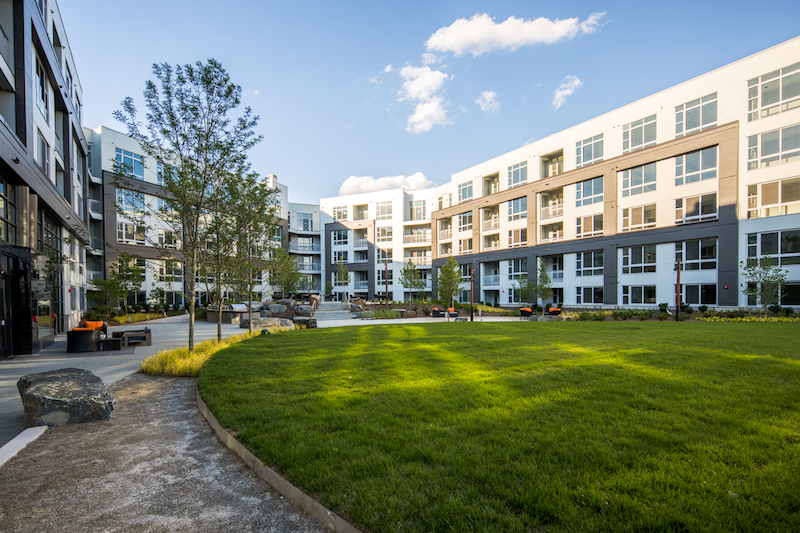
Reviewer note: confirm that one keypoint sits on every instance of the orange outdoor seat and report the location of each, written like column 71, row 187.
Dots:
column 93, row 324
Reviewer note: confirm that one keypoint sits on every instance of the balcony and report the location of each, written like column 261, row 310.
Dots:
column 420, row 261
column 446, row 234
column 96, row 209
column 491, row 280
column 553, row 237
column 552, row 211
column 297, row 247
column 360, row 243
column 491, row 224
column 309, row 289
column 361, row 260
column 93, row 274
column 362, row 285
column 96, row 246
column 491, row 245
column 305, row 267
column 556, row 275
column 418, row 238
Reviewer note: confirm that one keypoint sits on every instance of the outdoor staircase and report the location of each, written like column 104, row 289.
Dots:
column 332, row 311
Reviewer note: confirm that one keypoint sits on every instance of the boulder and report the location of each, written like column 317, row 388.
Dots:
column 357, row 301
column 265, row 313
column 287, row 302
column 269, row 322
column 409, row 314
column 308, row 322
column 277, row 308
column 356, row 308
column 65, row 396
column 303, row 310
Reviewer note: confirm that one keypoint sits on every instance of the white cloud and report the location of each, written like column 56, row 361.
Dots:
column 373, row 79
column 427, row 115
column 430, row 59
column 250, row 93
column 421, row 83
column 488, row 102
column 481, row 34
column 360, row 184
column 388, row 68
column 529, row 141
column 566, row 88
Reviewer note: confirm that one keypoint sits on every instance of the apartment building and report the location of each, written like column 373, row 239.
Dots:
column 705, row 174
column 375, row 235
column 43, row 179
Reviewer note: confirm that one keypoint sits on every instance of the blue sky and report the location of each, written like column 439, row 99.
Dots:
column 317, row 72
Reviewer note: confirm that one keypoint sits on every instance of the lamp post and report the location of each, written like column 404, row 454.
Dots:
column 471, row 293
column 678, row 293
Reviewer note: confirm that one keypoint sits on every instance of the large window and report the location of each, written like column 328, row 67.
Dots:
column 170, row 271
column 639, row 134
column 42, row 90
column 339, row 236
column 8, row 213
column 696, row 208
column 163, row 171
column 305, row 221
column 385, row 256
column 696, row 166
column 589, row 263
column 783, row 247
column 518, row 268
column 130, row 201
column 131, row 164
column 384, row 234
column 129, row 233
column 518, row 237
column 465, row 246
column 639, row 259
column 776, row 198
column 340, row 256
column 641, row 217
column 589, row 191
column 465, row 221
column 43, row 155
column 773, row 148
column 589, row 295
column 464, row 191
column 340, row 213
column 518, row 208
column 696, row 115
column 417, row 209
column 774, row 93
column 383, row 210
column 168, row 239
column 589, row 151
column 517, row 174
column 638, row 294
column 638, row 180
column 700, row 294
column 700, row 254
column 589, row 226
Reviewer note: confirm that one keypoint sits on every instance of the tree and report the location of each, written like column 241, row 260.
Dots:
column 526, row 290
column 764, row 280
column 411, row 279
column 544, row 287
column 190, row 134
column 129, row 274
column 158, row 297
column 328, row 288
column 342, row 275
column 448, row 280
column 285, row 275
column 107, row 293
column 530, row 291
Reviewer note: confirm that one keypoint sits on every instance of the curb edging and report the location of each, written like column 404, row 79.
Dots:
column 18, row 443
column 311, row 506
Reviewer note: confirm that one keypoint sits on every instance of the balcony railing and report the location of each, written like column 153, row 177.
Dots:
column 362, row 285
column 556, row 275
column 492, row 223
column 96, row 208
column 551, row 211
column 361, row 260
column 361, row 243
column 419, row 238
column 491, row 280
column 304, row 247
column 93, row 274
column 308, row 266
column 446, row 233
column 419, row 261
column 494, row 245
column 553, row 237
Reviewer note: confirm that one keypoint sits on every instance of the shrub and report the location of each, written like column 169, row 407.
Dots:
column 787, row 311
column 663, row 307
column 584, row 315
column 662, row 315
column 644, row 314
column 146, row 307
column 703, row 308
column 686, row 308
column 136, row 308
column 599, row 316
column 176, row 307
column 97, row 313
column 200, row 313
column 775, row 308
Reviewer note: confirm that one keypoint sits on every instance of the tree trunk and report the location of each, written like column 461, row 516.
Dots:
column 192, row 291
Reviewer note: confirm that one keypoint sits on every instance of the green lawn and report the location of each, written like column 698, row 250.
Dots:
column 529, row 427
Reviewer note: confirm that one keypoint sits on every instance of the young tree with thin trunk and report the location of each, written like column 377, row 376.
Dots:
column 448, row 280
column 192, row 136
column 411, row 280
column 764, row 281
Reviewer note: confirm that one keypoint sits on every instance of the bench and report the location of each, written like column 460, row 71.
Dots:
column 134, row 336
column 526, row 313
column 552, row 311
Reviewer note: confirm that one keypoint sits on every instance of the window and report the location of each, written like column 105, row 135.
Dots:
column 642, row 217
column 170, row 271
column 130, row 201
column 779, row 91
column 465, row 270
column 465, row 296
column 163, row 171
column 384, row 210
column 513, row 296
column 465, row 221
column 340, row 257
column 465, row 246
column 129, row 233
column 8, row 213
column 639, row 259
column 589, row 263
column 43, row 154
column 305, row 221
column 517, row 174
column 700, row 294
column 130, row 163
column 518, row 208
column 638, row 294
column 339, row 236
column 776, row 147
column 518, row 268
column 385, row 256
column 696, row 208
column 639, row 134
column 700, row 254
column 589, row 192
column 382, row 277
column 68, row 81
column 590, row 226
column 417, row 210
column 384, row 234
column 589, row 151
column 464, row 192
column 777, row 198
column 782, row 246
column 42, row 6
column 696, row 166
column 589, row 295
column 168, row 239
column 340, row 213
column 518, row 237
column 42, row 91
column 638, row 180
column 696, row 115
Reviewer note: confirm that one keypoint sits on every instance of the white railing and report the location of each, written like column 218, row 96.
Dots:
column 554, row 236
column 491, row 280
column 418, row 238
column 491, row 224
column 362, row 285
column 304, row 247
column 494, row 245
column 465, row 252
column 361, row 243
column 446, row 233
column 361, row 260
column 551, row 211
column 419, row 260
column 556, row 275
column 308, row 266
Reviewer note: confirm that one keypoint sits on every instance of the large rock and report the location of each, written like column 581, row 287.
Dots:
column 268, row 323
column 303, row 310
column 65, row 396
column 308, row 322
column 265, row 313
column 276, row 309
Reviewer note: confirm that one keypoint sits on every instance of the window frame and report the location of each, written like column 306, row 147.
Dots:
column 594, row 144
column 518, row 174
column 595, row 263
column 646, row 223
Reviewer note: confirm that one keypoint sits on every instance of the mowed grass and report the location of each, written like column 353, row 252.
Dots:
column 544, row 427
